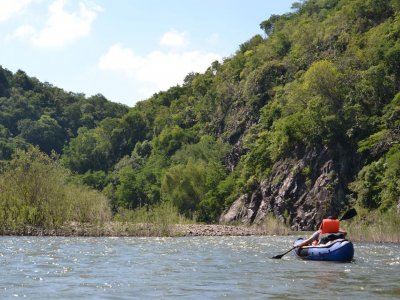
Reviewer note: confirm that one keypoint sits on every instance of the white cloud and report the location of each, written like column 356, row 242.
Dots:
column 11, row 8
column 157, row 70
column 174, row 39
column 62, row 27
column 24, row 31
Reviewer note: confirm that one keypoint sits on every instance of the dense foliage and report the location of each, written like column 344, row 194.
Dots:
column 37, row 113
column 35, row 191
column 325, row 74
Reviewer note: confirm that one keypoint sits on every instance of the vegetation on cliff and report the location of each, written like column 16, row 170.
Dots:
column 325, row 75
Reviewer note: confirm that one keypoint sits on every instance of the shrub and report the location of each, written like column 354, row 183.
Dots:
column 34, row 191
column 157, row 220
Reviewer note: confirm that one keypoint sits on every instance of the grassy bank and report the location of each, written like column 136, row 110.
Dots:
column 375, row 227
column 160, row 220
column 272, row 226
column 150, row 223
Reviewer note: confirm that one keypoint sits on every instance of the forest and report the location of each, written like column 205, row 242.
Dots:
column 324, row 76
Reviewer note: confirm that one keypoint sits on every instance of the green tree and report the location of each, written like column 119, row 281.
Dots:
column 377, row 184
column 323, row 79
column 268, row 25
column 185, row 186
column 45, row 132
column 86, row 152
column 171, row 139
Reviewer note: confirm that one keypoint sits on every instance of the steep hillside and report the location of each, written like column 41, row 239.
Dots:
column 301, row 123
column 320, row 140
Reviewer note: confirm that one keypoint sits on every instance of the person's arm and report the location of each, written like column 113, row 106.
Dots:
column 344, row 232
column 305, row 243
column 311, row 239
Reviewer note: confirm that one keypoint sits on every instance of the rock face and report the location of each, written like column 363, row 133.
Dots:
column 299, row 191
column 233, row 157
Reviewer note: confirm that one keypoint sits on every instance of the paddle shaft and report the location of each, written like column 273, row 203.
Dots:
column 348, row 214
column 281, row 255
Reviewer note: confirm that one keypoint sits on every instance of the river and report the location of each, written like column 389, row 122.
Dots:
column 189, row 268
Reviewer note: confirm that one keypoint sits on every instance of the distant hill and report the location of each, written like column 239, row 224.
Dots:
column 32, row 112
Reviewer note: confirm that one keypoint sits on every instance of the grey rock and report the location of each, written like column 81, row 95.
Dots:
column 299, row 191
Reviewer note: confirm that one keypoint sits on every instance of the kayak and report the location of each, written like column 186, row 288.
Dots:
column 337, row 250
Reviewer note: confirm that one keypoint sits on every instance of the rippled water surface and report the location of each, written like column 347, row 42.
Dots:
column 188, row 268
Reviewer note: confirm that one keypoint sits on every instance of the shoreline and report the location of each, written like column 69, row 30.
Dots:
column 115, row 229
column 141, row 230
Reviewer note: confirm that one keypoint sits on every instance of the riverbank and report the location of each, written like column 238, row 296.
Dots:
column 144, row 230
column 119, row 229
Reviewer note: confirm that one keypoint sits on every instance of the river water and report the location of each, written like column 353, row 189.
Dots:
column 189, row 268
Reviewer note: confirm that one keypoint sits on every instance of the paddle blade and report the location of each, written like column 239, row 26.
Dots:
column 349, row 214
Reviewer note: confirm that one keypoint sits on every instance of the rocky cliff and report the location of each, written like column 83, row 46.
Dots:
column 300, row 191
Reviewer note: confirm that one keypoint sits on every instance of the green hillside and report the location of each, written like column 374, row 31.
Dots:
column 322, row 81
column 32, row 112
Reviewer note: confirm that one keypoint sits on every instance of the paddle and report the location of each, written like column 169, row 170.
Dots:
column 347, row 215
column 281, row 255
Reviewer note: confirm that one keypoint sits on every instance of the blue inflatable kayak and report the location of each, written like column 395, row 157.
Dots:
column 338, row 250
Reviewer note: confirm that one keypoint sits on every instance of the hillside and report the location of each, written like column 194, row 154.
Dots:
column 32, row 112
column 301, row 123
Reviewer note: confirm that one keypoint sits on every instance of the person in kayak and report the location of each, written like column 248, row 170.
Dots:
column 329, row 230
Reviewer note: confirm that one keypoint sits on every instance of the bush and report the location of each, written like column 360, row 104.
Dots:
column 377, row 184
column 375, row 226
column 272, row 225
column 157, row 220
column 34, row 192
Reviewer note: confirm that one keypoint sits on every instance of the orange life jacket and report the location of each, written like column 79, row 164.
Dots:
column 329, row 226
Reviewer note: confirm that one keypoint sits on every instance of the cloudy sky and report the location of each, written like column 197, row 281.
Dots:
column 125, row 49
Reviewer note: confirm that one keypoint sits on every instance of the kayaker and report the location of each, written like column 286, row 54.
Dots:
column 329, row 228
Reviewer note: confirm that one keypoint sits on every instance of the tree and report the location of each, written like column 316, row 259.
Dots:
column 45, row 132
column 171, row 139
column 268, row 25
column 129, row 192
column 184, row 186
column 392, row 59
column 4, row 82
column 251, row 44
column 323, row 78
column 377, row 184
column 87, row 152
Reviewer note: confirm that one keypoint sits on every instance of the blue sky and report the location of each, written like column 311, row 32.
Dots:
column 125, row 49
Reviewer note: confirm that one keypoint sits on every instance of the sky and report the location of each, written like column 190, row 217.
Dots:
column 126, row 50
